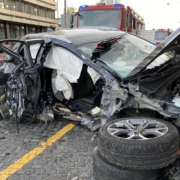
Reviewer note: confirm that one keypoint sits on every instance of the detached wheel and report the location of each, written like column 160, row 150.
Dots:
column 139, row 143
column 104, row 171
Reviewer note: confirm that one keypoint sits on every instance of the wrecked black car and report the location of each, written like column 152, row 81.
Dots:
column 72, row 72
column 94, row 76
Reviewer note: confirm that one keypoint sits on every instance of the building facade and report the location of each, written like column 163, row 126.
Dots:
column 20, row 17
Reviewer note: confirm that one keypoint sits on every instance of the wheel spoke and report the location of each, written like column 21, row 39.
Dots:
column 118, row 131
column 131, row 137
column 141, row 136
column 129, row 125
column 154, row 131
column 145, row 123
column 119, row 124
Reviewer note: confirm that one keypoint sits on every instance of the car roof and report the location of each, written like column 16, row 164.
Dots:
column 79, row 36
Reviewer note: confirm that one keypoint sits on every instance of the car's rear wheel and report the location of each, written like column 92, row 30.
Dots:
column 104, row 171
column 139, row 143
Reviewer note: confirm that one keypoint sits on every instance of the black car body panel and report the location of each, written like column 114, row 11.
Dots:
column 79, row 36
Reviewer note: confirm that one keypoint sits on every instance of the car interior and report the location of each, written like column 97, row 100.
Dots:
column 85, row 96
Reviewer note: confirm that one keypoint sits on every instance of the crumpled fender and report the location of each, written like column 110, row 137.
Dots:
column 112, row 98
column 142, row 101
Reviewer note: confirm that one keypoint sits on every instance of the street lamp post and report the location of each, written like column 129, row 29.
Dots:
column 65, row 13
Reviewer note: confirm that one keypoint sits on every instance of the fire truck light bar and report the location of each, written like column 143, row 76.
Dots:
column 83, row 6
column 118, row 5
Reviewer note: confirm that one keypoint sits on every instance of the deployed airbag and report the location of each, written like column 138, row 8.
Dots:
column 65, row 62
column 94, row 75
column 34, row 50
column 61, row 84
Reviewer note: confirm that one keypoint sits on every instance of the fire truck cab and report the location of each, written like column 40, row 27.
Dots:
column 115, row 15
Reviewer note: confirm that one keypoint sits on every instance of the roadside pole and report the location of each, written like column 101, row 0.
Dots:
column 65, row 13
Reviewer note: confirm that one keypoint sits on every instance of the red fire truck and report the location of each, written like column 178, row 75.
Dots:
column 115, row 15
column 161, row 35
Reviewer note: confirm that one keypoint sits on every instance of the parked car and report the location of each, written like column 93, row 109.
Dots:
column 72, row 72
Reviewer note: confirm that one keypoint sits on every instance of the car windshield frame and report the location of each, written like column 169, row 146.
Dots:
column 128, row 65
column 109, row 18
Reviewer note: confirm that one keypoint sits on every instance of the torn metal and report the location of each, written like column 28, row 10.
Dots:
column 112, row 99
column 47, row 115
column 141, row 101
column 114, row 96
column 91, row 122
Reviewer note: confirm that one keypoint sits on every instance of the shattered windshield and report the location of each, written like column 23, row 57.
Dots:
column 124, row 55
column 110, row 18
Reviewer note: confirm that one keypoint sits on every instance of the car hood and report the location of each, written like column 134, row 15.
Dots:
column 170, row 43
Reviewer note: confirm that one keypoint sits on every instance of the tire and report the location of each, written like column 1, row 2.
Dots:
column 151, row 153
column 104, row 171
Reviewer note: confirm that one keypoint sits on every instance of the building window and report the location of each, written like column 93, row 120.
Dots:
column 22, row 31
column 2, row 30
column 16, row 30
column 31, row 30
column 1, row 3
column 35, row 11
column 7, row 4
column 48, row 14
column 42, row 12
column 12, row 5
column 27, row 10
column 22, row 7
column 18, row 7
column 52, row 15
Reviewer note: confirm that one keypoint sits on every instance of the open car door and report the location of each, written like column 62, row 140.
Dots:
column 20, row 83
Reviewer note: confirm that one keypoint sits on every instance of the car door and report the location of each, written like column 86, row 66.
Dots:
column 19, row 76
